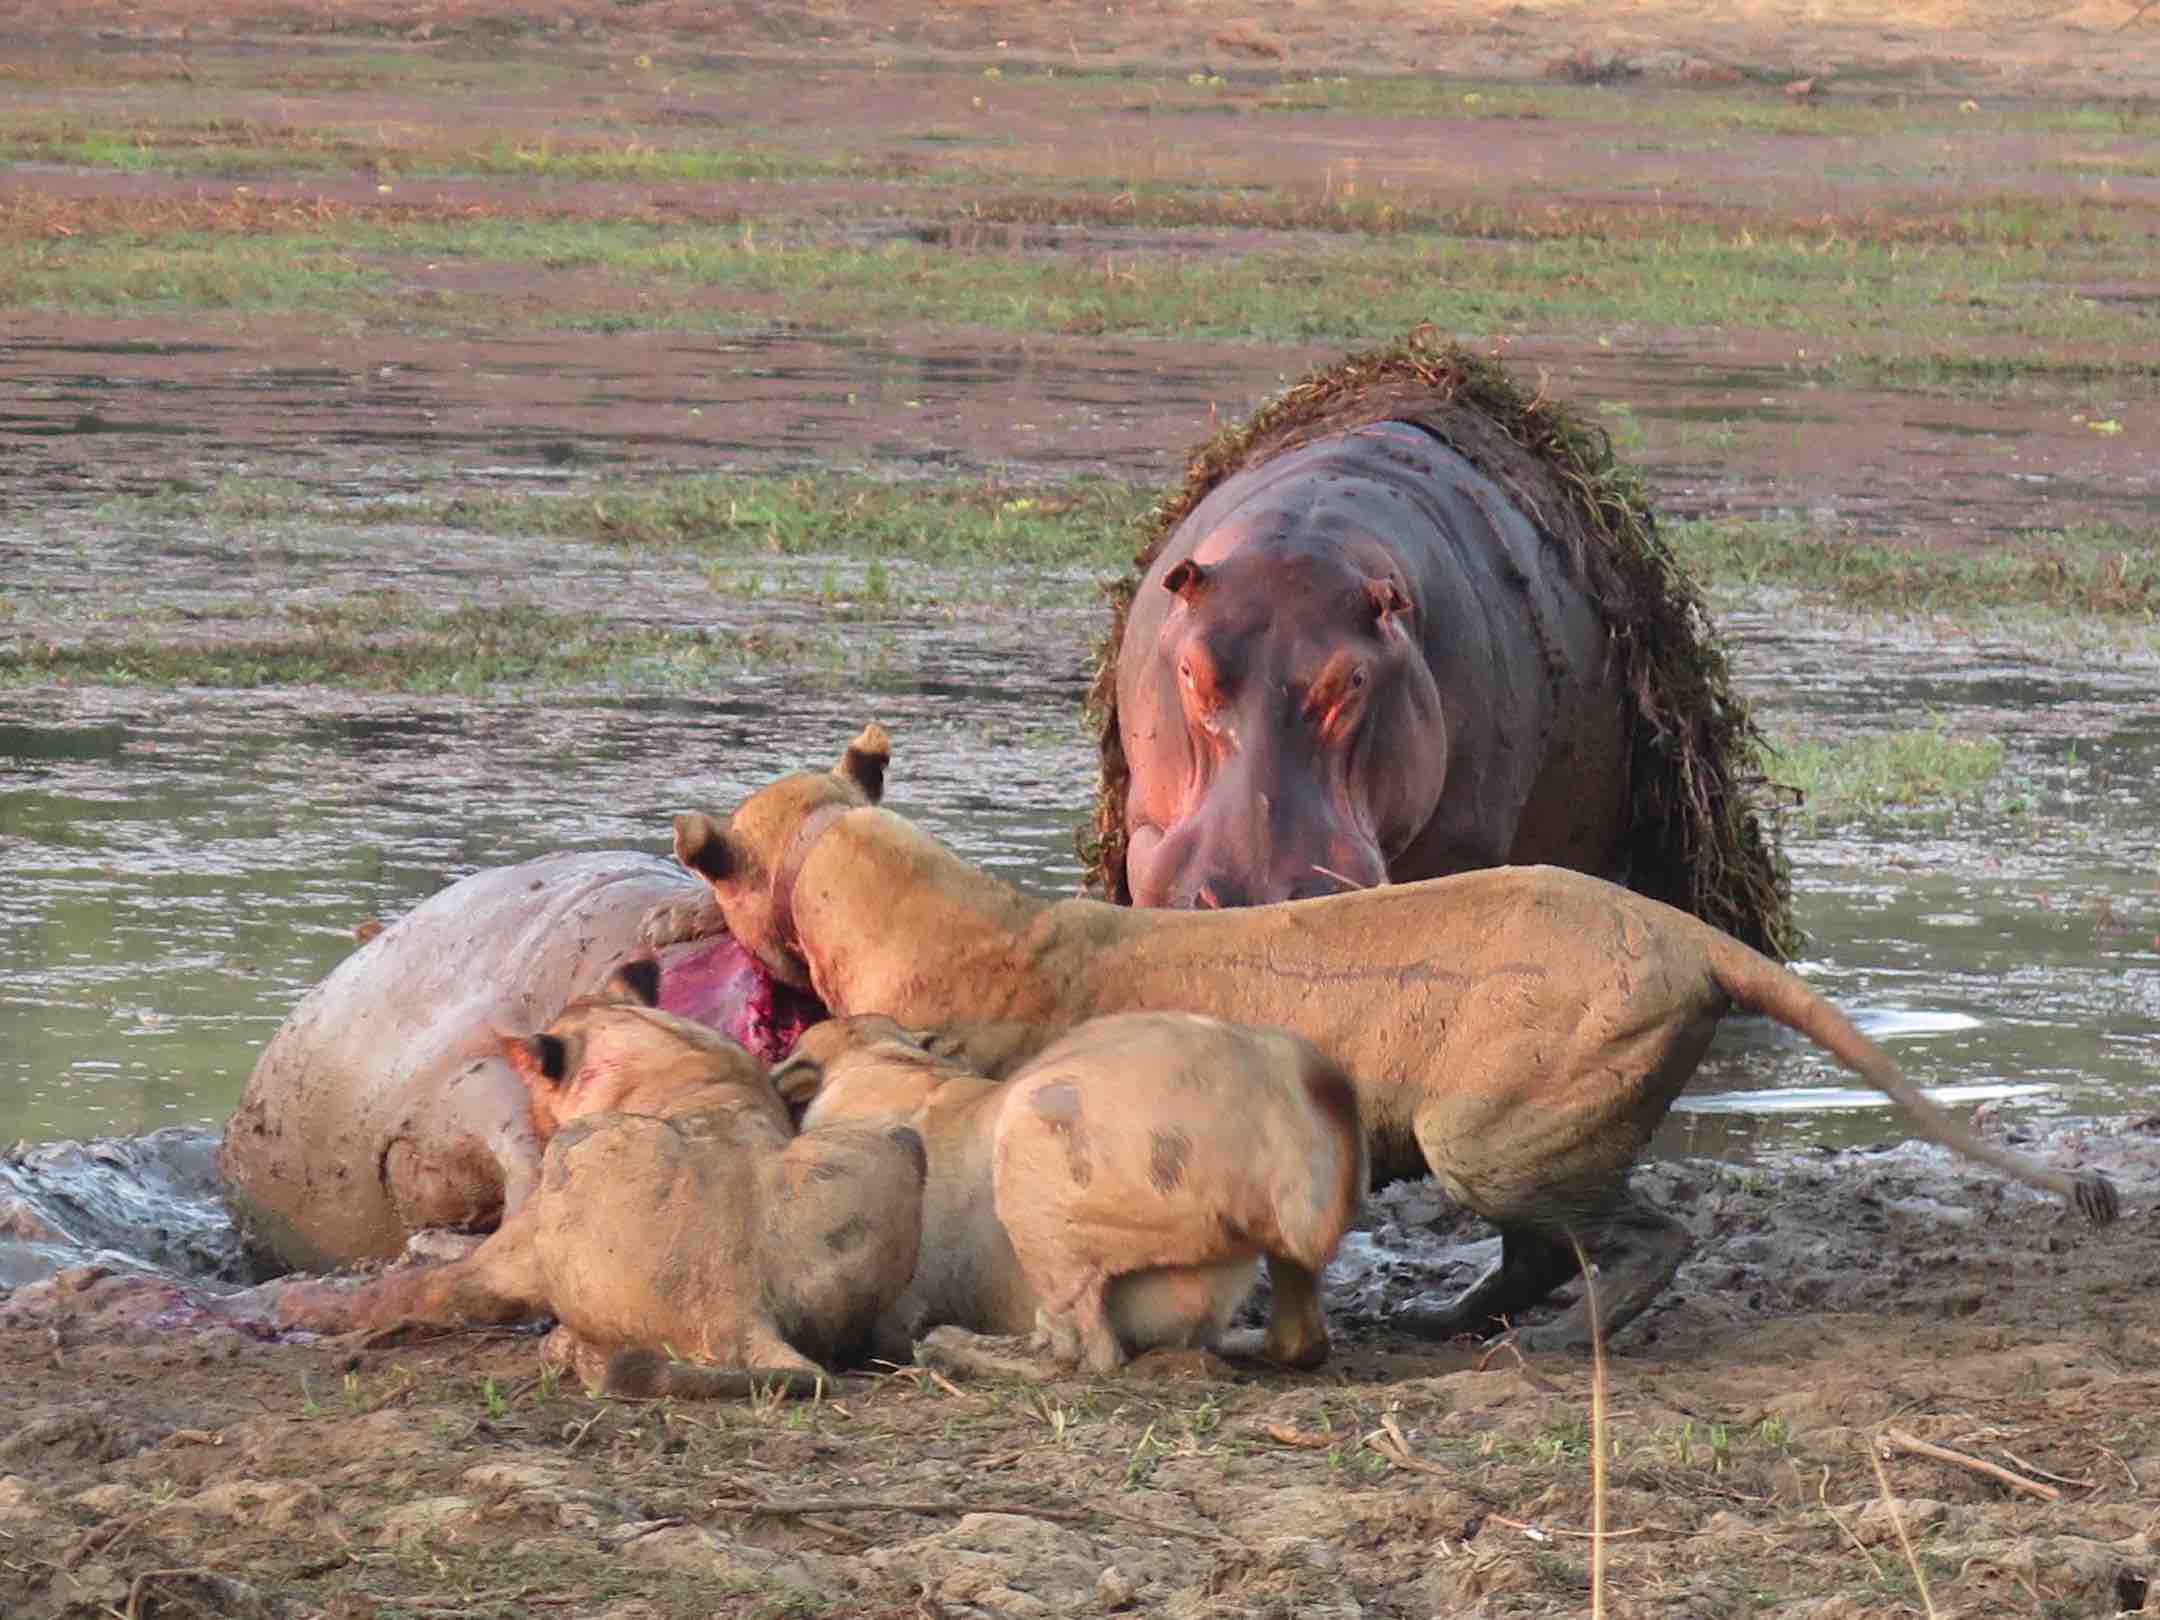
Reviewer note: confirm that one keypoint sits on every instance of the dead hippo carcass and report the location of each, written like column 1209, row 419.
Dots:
column 384, row 1106
column 1410, row 621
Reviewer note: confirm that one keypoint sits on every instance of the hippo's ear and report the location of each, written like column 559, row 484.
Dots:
column 637, row 980
column 865, row 761
column 541, row 1061
column 798, row 1078
column 1185, row 579
column 1387, row 600
column 701, row 844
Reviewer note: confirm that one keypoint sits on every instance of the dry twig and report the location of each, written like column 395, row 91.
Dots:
column 1031, row 1510
column 1897, row 1523
column 136, row 1586
column 1899, row 1440
column 1597, row 1430
column 2034, row 1468
column 1821, row 1488
column 1530, row 1529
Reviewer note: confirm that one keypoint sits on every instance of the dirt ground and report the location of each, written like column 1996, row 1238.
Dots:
column 158, row 1460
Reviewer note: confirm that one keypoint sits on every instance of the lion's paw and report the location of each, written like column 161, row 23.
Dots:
column 673, row 921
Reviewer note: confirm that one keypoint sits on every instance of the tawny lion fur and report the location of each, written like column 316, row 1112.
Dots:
column 1095, row 1197
column 1518, row 1032
column 685, row 1238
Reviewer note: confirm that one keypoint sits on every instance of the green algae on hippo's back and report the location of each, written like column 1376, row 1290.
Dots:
column 1689, row 787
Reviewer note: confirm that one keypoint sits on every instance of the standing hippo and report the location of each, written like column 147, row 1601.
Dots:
column 384, row 1106
column 1409, row 622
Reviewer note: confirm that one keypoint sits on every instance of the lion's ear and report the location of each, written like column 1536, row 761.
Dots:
column 865, row 761
column 636, row 980
column 702, row 845
column 798, row 1078
column 541, row 1061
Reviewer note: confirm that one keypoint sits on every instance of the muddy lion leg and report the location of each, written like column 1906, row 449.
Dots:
column 1075, row 1330
column 1297, row 1334
column 982, row 1355
column 498, row 1283
column 1532, row 1264
column 646, row 1374
column 1636, row 1251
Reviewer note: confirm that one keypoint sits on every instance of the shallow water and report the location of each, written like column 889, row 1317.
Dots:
column 180, row 866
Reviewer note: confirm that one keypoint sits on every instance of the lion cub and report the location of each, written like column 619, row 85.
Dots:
column 677, row 1216
column 1118, row 1193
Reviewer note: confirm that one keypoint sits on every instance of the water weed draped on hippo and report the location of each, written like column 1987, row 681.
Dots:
column 1410, row 621
column 383, row 1105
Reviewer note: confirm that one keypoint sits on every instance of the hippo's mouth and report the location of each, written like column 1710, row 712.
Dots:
column 716, row 982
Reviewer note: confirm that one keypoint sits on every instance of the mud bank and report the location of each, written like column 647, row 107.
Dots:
column 166, row 1459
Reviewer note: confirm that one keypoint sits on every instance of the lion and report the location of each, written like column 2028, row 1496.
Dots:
column 1096, row 1199
column 1517, row 1032
column 686, row 1239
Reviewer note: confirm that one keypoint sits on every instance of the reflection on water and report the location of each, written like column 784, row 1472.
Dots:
column 178, row 868
column 1816, row 1099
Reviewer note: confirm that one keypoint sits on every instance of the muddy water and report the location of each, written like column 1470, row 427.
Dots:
column 1736, row 431
column 179, row 867
column 2010, row 950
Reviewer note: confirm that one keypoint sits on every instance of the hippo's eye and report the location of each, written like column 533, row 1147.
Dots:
column 1357, row 680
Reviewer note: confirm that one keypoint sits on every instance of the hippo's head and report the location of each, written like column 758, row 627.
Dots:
column 1285, row 716
column 752, row 862
column 616, row 1052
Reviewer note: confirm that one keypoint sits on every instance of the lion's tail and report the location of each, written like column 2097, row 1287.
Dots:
column 1753, row 981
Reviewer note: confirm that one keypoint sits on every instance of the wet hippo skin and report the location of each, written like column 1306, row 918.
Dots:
column 383, row 1106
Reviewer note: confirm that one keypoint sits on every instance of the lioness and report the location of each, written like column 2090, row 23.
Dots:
column 1518, row 1032
column 677, row 1211
column 1096, row 1197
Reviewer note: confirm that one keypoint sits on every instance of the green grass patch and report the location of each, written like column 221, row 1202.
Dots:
column 193, row 271
column 639, row 161
column 1087, row 524
column 1762, row 108
column 1081, row 525
column 239, row 148
column 2108, row 571
column 1384, row 208
column 1997, row 375
column 1927, row 766
column 2109, row 164
column 686, row 275
column 386, row 642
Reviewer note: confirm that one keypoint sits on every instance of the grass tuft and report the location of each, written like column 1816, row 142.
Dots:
column 1887, row 771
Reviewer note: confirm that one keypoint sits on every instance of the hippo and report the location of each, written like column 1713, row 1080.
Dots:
column 1350, row 664
column 1383, row 638
column 383, row 1107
